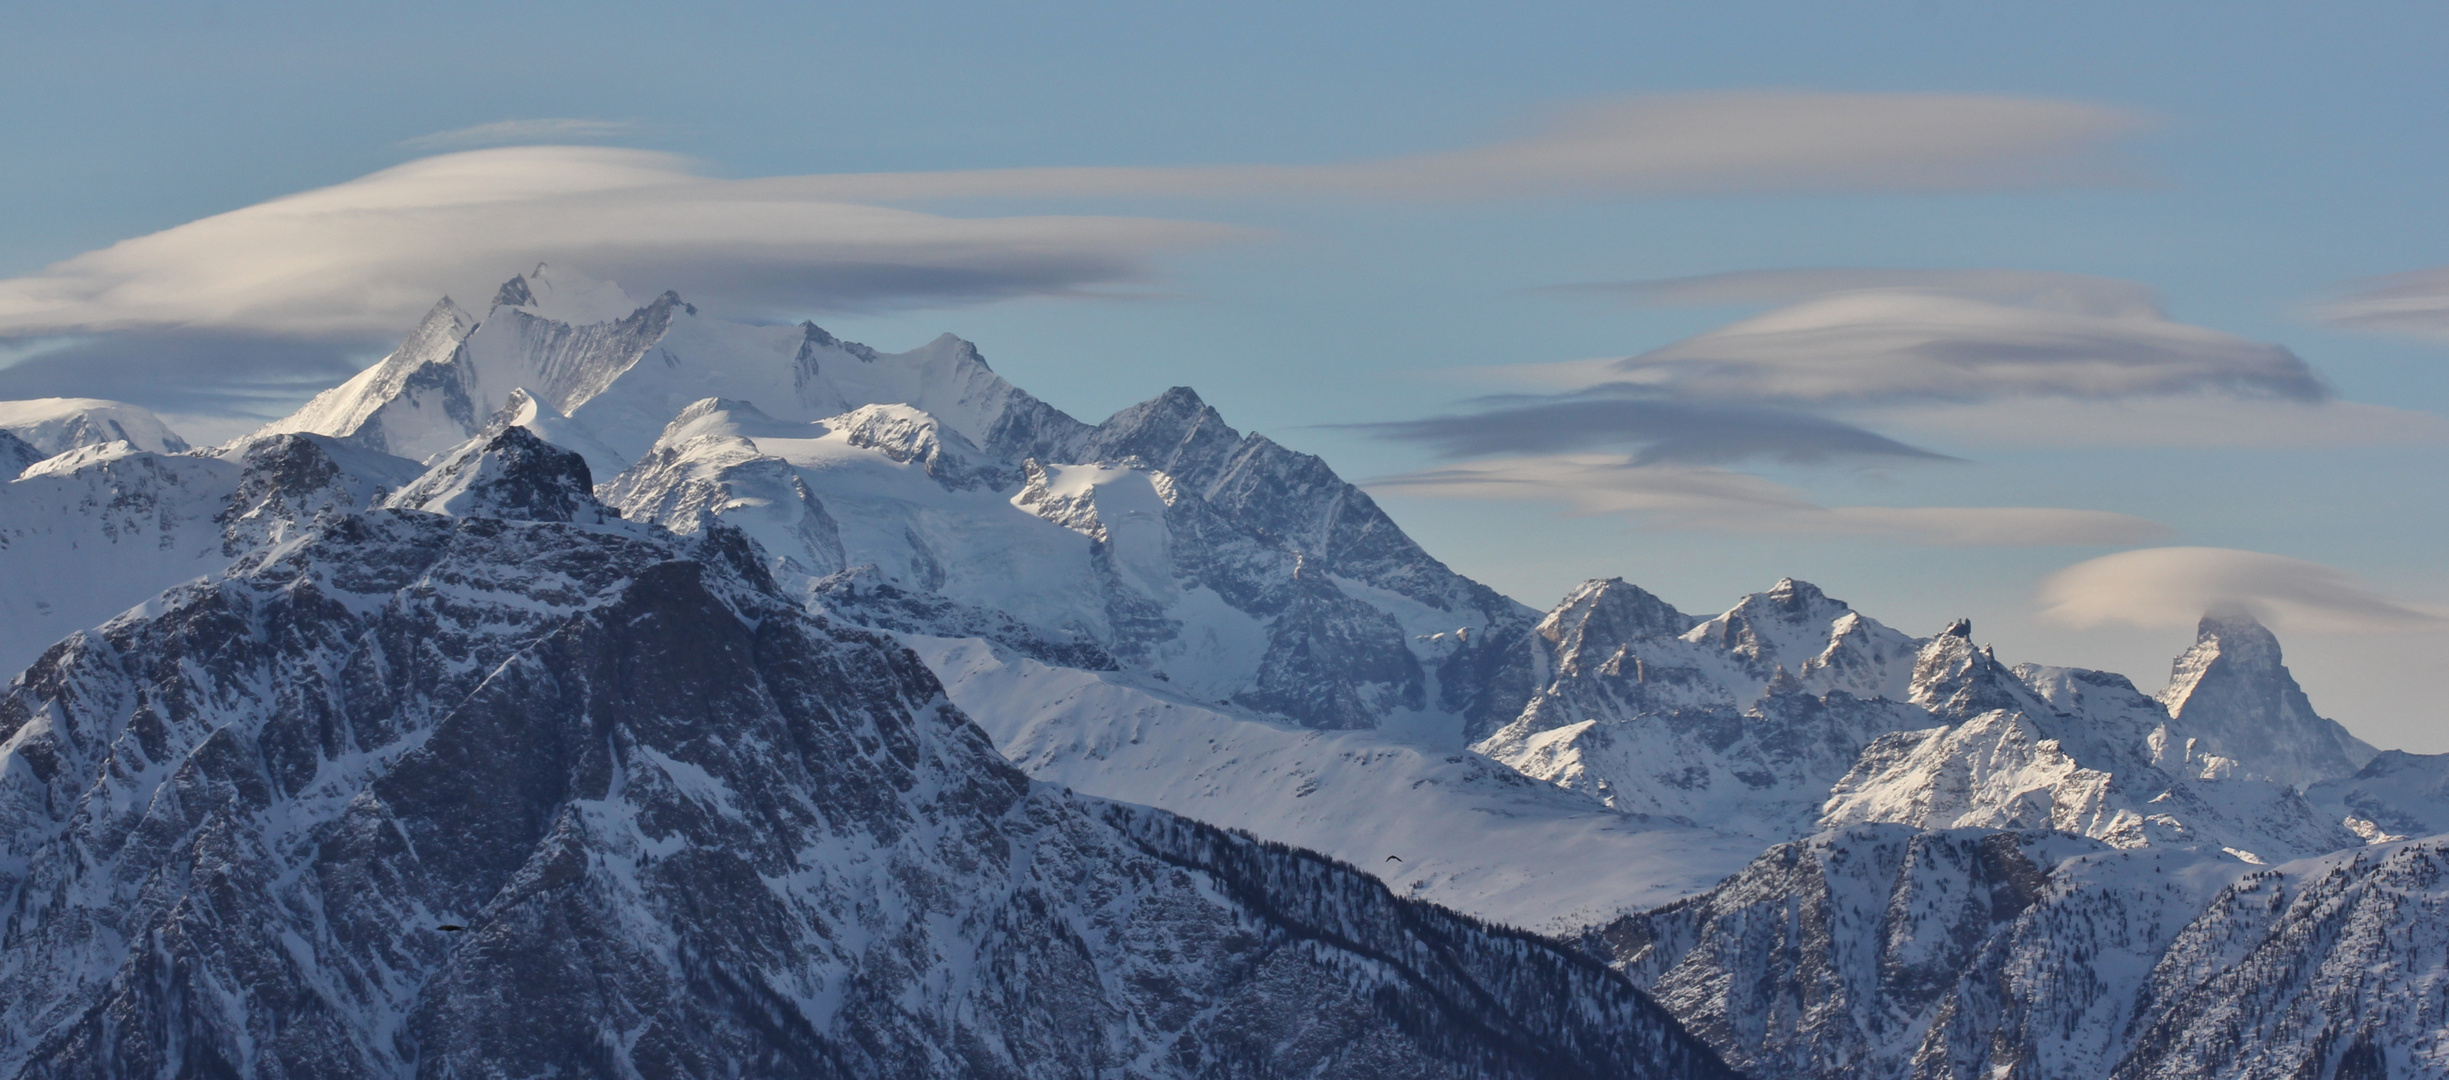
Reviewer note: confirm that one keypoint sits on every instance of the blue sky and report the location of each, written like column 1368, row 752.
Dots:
column 2245, row 164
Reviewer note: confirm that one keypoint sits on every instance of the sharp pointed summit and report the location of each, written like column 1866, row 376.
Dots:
column 2232, row 691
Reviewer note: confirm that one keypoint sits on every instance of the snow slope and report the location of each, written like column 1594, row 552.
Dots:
column 1468, row 834
column 57, row 425
column 529, row 790
column 88, row 533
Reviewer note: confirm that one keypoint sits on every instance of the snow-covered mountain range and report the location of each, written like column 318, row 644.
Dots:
column 316, row 636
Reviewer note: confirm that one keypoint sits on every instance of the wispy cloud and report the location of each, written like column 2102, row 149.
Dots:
column 1953, row 350
column 1687, row 497
column 369, row 254
column 1661, row 431
column 1984, row 356
column 2415, row 304
column 2049, row 290
column 1895, row 344
column 363, row 259
column 2174, row 586
column 1759, row 142
column 2198, row 420
column 508, row 132
column 1974, row 357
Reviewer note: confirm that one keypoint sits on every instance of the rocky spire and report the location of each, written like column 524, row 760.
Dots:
column 511, row 474
column 2232, row 691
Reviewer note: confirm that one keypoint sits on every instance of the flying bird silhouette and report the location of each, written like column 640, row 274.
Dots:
column 451, row 926
column 1391, row 858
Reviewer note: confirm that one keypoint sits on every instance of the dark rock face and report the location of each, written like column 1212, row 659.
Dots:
column 292, row 481
column 693, row 831
column 16, row 454
column 1828, row 956
column 512, row 475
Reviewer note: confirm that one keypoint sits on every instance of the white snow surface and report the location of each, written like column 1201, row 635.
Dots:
column 1792, row 713
column 1469, row 834
column 622, row 369
column 99, row 528
column 1175, row 549
column 58, row 425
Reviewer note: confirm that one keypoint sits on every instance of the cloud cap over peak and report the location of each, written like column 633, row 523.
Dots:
column 369, row 255
column 2176, row 586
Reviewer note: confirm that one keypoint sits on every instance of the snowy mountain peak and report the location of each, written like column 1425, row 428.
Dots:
column 1956, row 679
column 729, row 416
column 2233, row 691
column 1601, row 615
column 512, row 475
column 814, row 340
column 57, row 425
column 905, row 434
column 1175, row 433
column 1788, row 624
column 1797, row 595
column 514, row 292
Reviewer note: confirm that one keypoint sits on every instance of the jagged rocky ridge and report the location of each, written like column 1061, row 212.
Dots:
column 1231, row 566
column 1883, row 951
column 693, row 830
column 1792, row 713
column 1139, row 608
column 91, row 531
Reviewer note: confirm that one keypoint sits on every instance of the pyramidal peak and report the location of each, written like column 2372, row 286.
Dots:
column 512, row 475
column 1606, row 612
column 2232, row 691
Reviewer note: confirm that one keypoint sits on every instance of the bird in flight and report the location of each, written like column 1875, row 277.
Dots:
column 451, row 927
column 1391, row 858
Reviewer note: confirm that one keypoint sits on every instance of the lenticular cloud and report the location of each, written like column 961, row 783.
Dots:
column 1891, row 344
column 2173, row 586
column 369, row 255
